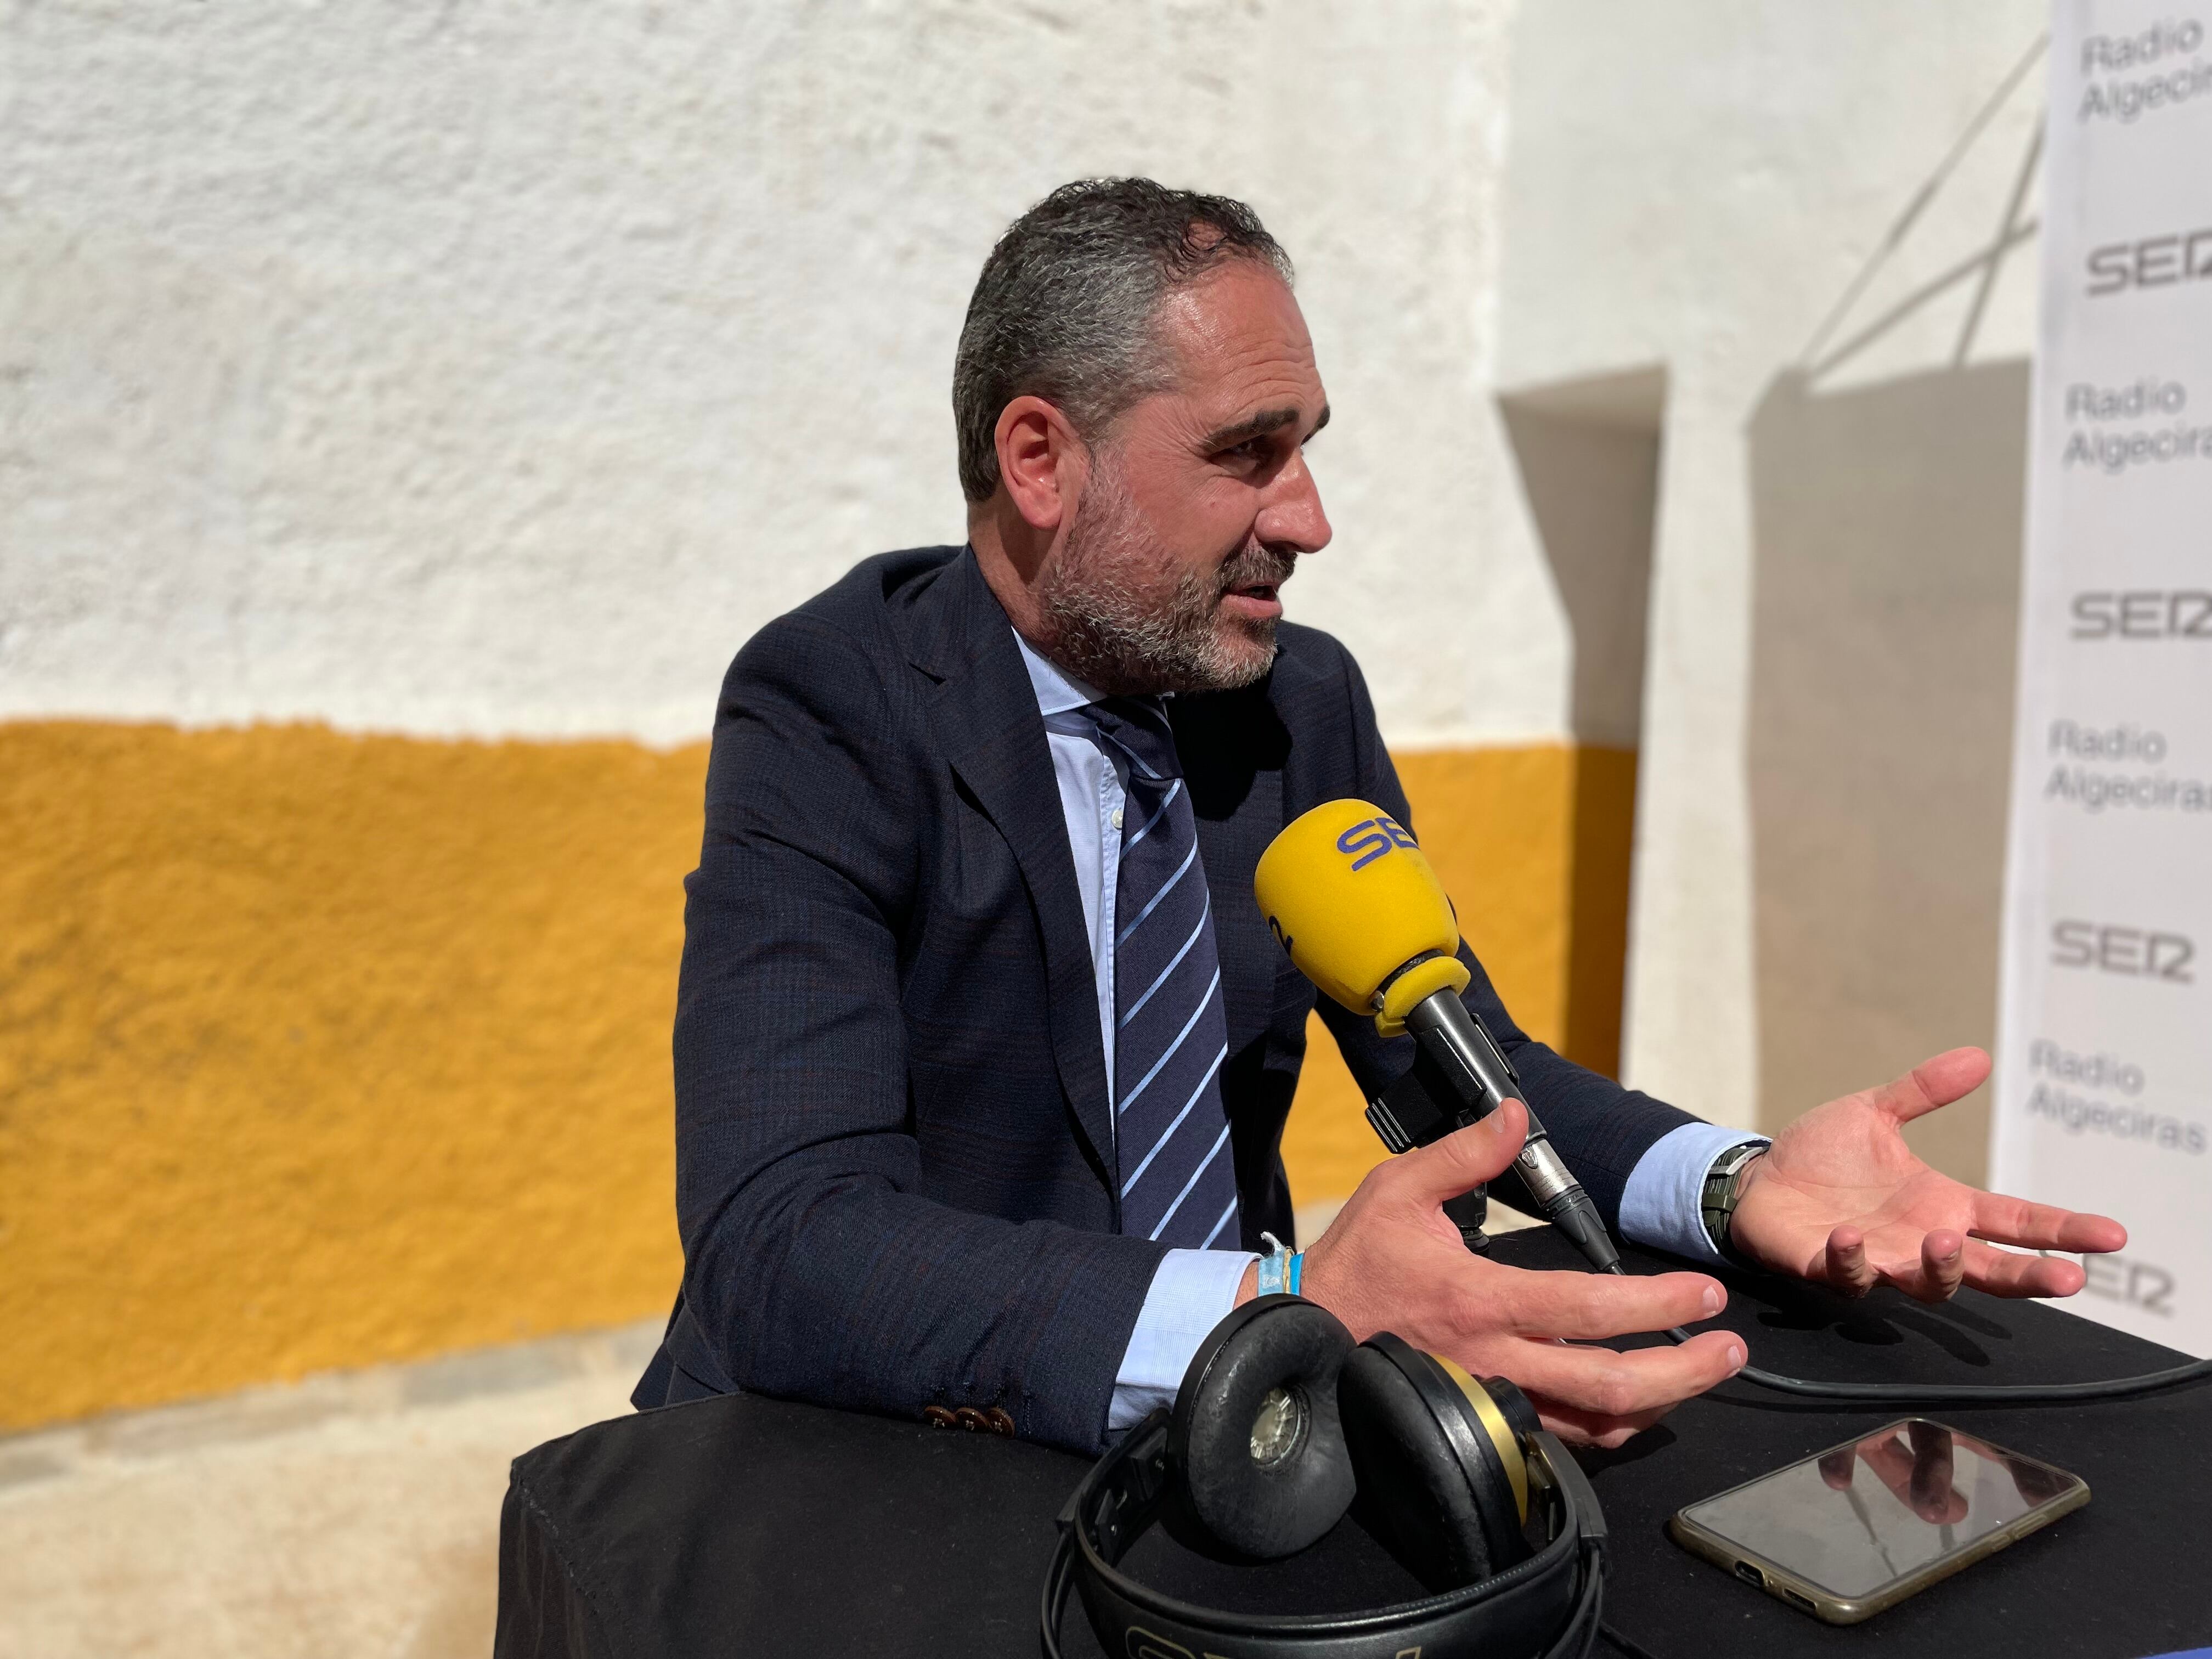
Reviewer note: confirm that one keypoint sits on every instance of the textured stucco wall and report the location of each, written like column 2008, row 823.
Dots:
column 319, row 1049
column 477, row 379
column 494, row 370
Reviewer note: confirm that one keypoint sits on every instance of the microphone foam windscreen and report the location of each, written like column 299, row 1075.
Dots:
column 1352, row 899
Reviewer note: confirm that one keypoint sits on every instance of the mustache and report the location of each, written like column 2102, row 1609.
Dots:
column 1257, row 565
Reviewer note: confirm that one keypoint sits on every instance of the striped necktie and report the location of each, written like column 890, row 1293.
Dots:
column 1171, row 1035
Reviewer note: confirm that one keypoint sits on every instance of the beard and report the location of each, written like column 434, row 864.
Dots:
column 1128, row 620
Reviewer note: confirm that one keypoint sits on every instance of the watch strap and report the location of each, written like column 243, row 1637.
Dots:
column 1716, row 1203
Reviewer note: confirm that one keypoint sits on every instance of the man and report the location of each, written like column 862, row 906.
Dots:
column 982, row 1049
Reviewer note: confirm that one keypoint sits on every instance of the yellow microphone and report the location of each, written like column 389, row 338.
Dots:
column 1348, row 892
column 1354, row 900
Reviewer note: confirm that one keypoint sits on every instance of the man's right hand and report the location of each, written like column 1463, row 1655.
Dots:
column 1392, row 1260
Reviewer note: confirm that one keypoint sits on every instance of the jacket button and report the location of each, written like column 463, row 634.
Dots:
column 938, row 1417
column 999, row 1421
column 971, row 1419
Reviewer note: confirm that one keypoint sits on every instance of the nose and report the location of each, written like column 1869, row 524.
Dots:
column 1290, row 513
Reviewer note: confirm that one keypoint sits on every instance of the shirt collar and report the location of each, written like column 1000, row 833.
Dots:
column 1056, row 691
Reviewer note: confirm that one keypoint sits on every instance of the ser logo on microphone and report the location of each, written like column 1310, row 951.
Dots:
column 1370, row 839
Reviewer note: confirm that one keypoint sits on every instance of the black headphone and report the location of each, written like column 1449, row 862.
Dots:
column 1282, row 1425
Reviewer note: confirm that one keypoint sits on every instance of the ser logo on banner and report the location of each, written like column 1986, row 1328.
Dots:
column 2154, row 262
column 2181, row 613
column 2125, row 1278
column 2131, row 950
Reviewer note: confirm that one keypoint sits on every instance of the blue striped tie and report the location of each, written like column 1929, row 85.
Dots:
column 1172, row 1132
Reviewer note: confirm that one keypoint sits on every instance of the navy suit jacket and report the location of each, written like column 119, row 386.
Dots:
column 894, row 1145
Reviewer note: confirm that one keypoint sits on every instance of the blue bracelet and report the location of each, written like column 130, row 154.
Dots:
column 1280, row 1269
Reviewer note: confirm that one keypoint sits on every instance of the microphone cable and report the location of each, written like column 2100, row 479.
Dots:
column 1955, row 1394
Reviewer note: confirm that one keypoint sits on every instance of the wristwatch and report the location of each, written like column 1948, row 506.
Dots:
column 1717, row 1203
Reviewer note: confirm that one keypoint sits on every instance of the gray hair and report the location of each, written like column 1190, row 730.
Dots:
column 1065, row 306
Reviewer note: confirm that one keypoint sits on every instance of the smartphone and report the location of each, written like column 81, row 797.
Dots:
column 1860, row 1527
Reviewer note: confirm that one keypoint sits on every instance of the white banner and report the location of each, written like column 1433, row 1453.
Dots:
column 2103, row 1093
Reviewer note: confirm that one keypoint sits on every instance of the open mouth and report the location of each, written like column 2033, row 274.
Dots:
column 1256, row 601
column 1256, row 577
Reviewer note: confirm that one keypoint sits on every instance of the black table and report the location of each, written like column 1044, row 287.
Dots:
column 754, row 1526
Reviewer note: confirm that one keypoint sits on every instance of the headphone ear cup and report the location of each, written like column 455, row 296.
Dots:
column 1434, row 1488
column 1513, row 1405
column 1255, row 1438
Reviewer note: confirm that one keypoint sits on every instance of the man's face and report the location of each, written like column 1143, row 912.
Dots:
column 1198, row 501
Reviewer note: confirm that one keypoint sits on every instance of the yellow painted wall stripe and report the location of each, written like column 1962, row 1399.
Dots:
column 319, row 1050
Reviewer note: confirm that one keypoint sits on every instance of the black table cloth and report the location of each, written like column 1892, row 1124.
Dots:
column 745, row 1525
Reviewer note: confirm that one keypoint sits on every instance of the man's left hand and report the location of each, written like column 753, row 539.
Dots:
column 1840, row 1199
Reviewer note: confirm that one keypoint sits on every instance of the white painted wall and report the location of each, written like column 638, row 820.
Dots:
column 1695, row 184
column 499, row 368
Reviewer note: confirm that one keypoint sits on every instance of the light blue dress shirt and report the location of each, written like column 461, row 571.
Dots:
column 1191, row 1290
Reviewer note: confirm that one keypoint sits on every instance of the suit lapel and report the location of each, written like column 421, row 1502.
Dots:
column 986, row 714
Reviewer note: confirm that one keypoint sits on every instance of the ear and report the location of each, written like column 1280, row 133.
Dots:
column 1041, row 462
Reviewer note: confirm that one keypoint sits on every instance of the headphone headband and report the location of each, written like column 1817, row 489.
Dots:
column 1541, row 1604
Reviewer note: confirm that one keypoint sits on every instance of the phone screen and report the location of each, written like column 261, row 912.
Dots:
column 1862, row 1516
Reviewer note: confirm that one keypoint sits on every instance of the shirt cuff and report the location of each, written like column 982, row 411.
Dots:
column 1193, row 1291
column 1663, row 1205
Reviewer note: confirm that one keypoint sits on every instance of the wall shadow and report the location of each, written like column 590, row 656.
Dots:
column 1587, row 451
column 1886, row 525
column 1587, row 454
